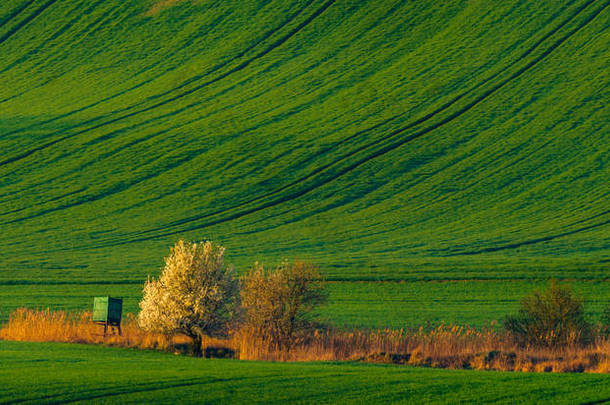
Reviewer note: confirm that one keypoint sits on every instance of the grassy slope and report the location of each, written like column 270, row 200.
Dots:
column 383, row 140
column 107, row 375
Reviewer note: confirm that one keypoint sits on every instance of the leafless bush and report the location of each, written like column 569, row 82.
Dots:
column 551, row 318
column 278, row 304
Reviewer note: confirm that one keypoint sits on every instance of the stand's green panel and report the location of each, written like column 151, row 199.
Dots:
column 107, row 309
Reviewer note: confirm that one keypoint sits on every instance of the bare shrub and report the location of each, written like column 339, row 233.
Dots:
column 278, row 304
column 195, row 294
column 551, row 318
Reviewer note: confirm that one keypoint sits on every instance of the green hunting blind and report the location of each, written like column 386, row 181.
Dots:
column 107, row 311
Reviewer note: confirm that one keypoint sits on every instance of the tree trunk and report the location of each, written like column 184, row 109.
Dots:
column 197, row 352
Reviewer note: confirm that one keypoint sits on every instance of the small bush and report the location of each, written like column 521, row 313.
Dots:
column 278, row 304
column 551, row 318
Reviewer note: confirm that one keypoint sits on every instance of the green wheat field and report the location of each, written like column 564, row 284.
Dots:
column 437, row 159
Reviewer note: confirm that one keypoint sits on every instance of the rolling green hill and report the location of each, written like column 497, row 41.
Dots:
column 384, row 140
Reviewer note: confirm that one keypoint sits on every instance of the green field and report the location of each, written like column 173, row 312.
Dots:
column 350, row 304
column 381, row 139
column 61, row 373
column 438, row 160
column 384, row 140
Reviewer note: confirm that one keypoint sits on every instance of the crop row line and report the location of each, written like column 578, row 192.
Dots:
column 27, row 20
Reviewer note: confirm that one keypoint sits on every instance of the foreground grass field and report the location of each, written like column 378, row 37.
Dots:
column 60, row 373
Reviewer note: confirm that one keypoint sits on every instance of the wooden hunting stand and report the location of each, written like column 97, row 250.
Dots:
column 107, row 311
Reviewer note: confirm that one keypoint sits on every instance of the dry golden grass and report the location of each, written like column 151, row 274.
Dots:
column 446, row 346
column 60, row 326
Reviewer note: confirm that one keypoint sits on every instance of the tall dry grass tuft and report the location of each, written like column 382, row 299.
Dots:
column 446, row 346
column 60, row 326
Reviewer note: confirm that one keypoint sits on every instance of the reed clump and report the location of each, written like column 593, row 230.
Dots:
column 61, row 326
column 445, row 346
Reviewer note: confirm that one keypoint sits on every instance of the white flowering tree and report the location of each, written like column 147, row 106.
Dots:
column 195, row 294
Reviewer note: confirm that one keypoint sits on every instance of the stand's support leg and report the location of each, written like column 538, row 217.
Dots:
column 105, row 328
column 119, row 329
